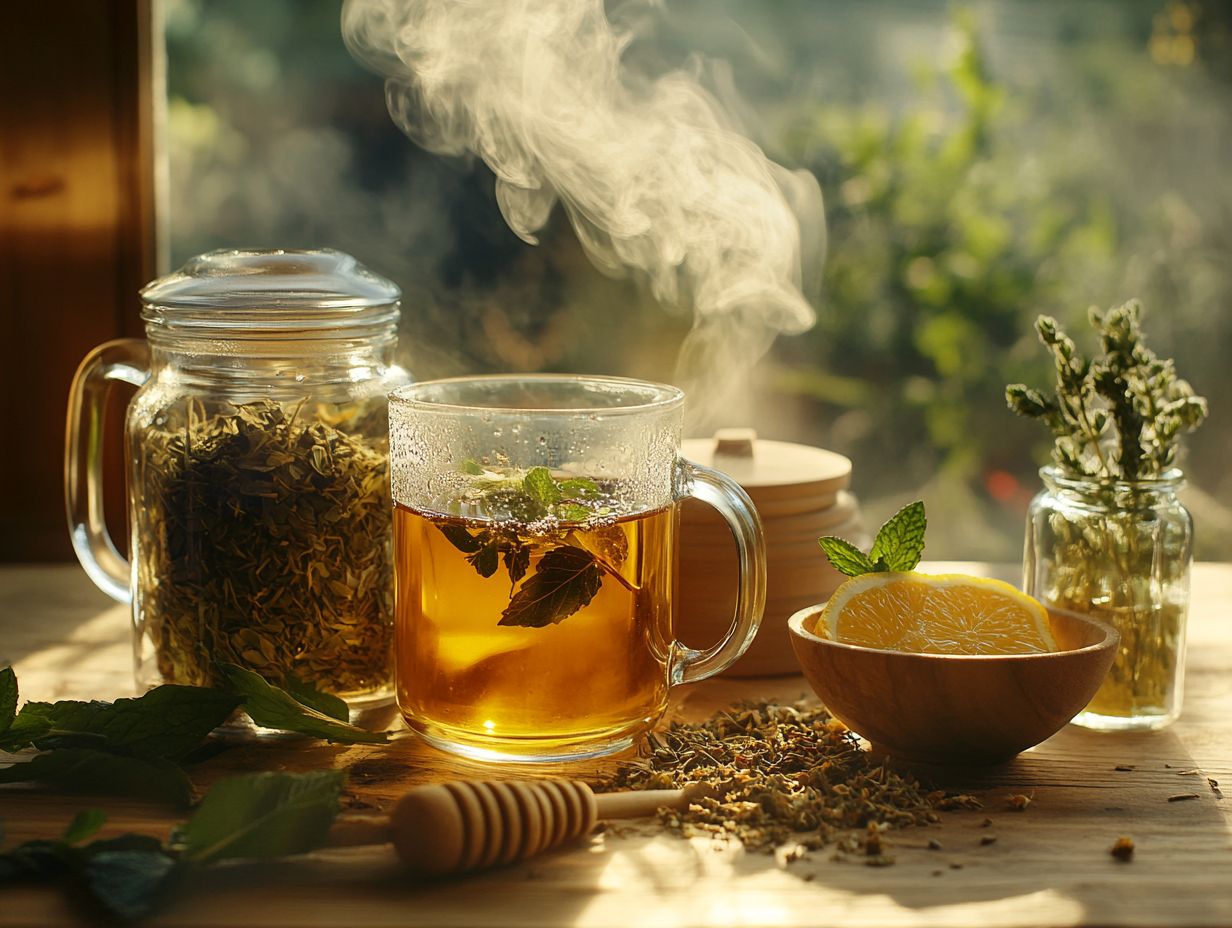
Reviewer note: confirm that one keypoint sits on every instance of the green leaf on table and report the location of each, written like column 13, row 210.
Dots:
column 262, row 815
column 307, row 694
column 274, row 707
column 84, row 825
column 8, row 698
column 34, row 861
column 125, row 875
column 845, row 557
column 83, row 770
column 900, row 542
column 128, row 884
column 167, row 722
column 564, row 581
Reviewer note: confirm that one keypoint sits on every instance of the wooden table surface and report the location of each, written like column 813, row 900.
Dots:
column 1049, row 864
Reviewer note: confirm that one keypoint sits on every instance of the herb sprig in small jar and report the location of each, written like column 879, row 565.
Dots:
column 1107, row 536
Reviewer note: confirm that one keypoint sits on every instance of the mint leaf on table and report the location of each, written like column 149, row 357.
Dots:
column 900, row 542
column 8, row 698
column 84, row 770
column 897, row 548
column 262, row 815
column 125, row 876
column 273, row 707
column 307, row 694
column 84, row 825
column 845, row 557
column 564, row 581
column 128, row 884
column 167, row 722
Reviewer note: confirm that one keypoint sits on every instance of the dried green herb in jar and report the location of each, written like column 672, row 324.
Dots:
column 264, row 540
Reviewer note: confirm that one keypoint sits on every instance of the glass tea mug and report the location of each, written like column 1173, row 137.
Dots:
column 257, row 455
column 535, row 533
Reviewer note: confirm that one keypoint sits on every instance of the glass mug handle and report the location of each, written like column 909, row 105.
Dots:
column 734, row 505
column 126, row 360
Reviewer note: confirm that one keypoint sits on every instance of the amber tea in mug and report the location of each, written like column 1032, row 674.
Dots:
column 535, row 530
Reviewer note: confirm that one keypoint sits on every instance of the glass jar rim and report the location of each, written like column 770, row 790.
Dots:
column 579, row 394
column 1171, row 479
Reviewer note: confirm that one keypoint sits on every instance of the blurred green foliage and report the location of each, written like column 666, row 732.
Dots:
column 979, row 167
column 952, row 226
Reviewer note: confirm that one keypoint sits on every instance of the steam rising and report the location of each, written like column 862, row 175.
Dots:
column 650, row 172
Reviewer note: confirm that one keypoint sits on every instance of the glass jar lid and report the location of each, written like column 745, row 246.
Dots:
column 278, row 291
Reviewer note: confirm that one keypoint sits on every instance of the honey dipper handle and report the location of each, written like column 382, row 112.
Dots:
column 639, row 803
column 352, row 830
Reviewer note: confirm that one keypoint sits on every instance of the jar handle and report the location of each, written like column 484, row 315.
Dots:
column 126, row 360
column 734, row 505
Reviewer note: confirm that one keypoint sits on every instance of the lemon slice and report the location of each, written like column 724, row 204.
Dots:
column 935, row 614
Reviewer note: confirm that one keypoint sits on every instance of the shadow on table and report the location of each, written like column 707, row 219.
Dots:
column 1053, row 855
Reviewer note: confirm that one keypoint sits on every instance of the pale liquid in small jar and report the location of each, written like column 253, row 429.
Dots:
column 583, row 686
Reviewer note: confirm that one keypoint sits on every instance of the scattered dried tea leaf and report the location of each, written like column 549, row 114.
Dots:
column 1214, row 785
column 948, row 802
column 987, row 840
column 872, row 840
column 1125, row 767
column 934, row 844
column 777, row 773
column 1019, row 802
column 1122, row 848
column 1182, row 797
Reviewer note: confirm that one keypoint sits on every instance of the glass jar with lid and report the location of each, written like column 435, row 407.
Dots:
column 258, row 484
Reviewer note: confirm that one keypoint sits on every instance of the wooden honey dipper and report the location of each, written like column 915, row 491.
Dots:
column 470, row 825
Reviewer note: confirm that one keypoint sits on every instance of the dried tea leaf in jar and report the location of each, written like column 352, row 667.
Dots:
column 265, row 543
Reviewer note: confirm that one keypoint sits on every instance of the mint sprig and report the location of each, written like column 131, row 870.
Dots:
column 249, row 817
column 897, row 548
column 569, row 574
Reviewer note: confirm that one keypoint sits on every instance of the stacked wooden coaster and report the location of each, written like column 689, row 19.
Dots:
column 801, row 494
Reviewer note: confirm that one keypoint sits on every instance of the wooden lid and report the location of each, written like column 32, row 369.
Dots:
column 777, row 471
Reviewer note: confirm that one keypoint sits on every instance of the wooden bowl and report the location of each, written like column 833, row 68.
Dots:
column 956, row 708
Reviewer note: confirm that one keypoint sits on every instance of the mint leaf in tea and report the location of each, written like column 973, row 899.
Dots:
column 571, row 573
column 532, row 611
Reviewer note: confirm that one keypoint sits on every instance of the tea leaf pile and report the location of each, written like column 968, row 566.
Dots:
column 775, row 773
column 264, row 541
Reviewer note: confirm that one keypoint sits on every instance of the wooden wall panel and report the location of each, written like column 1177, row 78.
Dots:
column 77, row 233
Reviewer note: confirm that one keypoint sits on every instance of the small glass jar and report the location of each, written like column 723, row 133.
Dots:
column 258, row 472
column 1119, row 551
